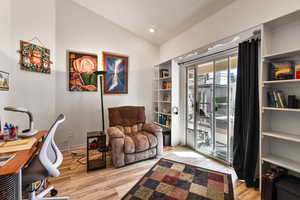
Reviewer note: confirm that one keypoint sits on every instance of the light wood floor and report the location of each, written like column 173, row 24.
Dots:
column 112, row 184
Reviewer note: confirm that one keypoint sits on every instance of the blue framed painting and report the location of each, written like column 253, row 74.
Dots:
column 116, row 77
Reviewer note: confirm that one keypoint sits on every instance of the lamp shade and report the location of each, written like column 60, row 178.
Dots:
column 100, row 72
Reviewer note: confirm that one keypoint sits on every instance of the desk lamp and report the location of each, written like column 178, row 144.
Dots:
column 27, row 132
column 101, row 74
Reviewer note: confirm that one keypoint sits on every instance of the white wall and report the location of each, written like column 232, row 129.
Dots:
column 5, row 49
column 79, row 29
column 22, row 20
column 236, row 17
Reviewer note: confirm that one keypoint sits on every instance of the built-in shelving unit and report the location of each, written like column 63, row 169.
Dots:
column 282, row 81
column 282, row 162
column 286, row 54
column 162, row 94
column 283, row 136
column 282, row 109
column 280, row 127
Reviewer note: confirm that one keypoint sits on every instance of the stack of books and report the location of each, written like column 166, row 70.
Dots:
column 276, row 99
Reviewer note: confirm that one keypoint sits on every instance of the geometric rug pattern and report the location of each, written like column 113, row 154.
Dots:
column 172, row 180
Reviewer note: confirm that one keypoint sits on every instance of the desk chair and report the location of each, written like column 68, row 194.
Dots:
column 44, row 165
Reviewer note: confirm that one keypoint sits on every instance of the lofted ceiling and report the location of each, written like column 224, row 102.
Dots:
column 168, row 17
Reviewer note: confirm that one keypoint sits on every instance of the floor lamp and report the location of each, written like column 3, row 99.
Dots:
column 101, row 74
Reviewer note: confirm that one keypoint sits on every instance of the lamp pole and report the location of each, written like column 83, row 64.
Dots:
column 101, row 74
column 102, row 109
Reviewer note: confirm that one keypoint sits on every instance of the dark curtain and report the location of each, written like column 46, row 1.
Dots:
column 246, row 123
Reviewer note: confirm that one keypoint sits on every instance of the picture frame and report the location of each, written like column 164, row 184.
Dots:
column 116, row 77
column 81, row 71
column 34, row 58
column 4, row 81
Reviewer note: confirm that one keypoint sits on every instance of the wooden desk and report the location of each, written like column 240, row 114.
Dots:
column 22, row 157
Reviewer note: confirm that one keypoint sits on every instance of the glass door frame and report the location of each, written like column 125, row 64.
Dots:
column 227, row 108
column 193, row 64
column 193, row 67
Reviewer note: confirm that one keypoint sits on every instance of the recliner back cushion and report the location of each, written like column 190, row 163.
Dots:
column 126, row 115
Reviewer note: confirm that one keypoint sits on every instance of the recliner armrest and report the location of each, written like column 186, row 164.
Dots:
column 157, row 131
column 152, row 128
column 114, row 132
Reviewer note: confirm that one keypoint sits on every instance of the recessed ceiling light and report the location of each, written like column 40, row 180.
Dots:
column 151, row 30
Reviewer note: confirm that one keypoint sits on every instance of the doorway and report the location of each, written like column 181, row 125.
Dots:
column 210, row 103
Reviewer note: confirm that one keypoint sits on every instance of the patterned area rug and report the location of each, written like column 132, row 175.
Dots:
column 173, row 180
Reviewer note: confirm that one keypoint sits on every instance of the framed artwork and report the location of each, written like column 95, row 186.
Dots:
column 34, row 58
column 4, row 80
column 81, row 71
column 116, row 77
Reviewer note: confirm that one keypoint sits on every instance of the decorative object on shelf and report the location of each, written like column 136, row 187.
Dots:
column 101, row 74
column 281, row 70
column 34, row 57
column 166, row 85
column 164, row 73
column 96, row 150
column 166, row 98
column 169, row 179
column 116, row 78
column 297, row 71
column 81, row 71
column 4, row 80
column 293, row 102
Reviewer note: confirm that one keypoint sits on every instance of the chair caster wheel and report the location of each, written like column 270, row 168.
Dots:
column 53, row 192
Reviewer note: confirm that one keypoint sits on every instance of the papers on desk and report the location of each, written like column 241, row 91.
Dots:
column 5, row 159
column 18, row 145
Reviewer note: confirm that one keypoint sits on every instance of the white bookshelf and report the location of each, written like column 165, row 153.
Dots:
column 280, row 55
column 282, row 135
column 161, row 105
column 281, row 109
column 279, row 127
column 282, row 81
column 282, row 162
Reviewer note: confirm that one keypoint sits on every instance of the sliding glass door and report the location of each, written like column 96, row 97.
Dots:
column 190, row 107
column 210, row 119
column 221, row 108
column 204, row 107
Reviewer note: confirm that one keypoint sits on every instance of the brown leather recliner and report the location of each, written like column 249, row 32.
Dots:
column 130, row 138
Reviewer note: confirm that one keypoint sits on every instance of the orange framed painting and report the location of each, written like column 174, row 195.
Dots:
column 116, row 77
column 81, row 72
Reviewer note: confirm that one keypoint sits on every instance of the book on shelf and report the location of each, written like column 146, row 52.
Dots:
column 276, row 99
column 164, row 120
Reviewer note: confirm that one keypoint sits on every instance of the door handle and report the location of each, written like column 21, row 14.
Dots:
column 175, row 110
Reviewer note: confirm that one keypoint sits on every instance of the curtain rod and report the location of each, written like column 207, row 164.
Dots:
column 218, row 48
column 203, row 57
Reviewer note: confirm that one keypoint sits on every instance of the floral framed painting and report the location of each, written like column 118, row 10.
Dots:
column 116, row 77
column 81, row 71
column 34, row 58
column 4, row 81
